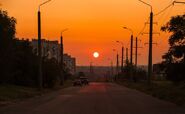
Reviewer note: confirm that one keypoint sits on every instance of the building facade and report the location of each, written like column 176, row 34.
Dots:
column 70, row 63
column 52, row 49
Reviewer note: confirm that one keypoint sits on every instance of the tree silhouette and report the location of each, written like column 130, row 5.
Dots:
column 7, row 30
column 7, row 34
column 174, row 59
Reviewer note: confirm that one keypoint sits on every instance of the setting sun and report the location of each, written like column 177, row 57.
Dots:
column 96, row 54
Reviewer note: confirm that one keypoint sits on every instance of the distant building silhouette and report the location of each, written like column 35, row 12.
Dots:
column 70, row 63
column 51, row 49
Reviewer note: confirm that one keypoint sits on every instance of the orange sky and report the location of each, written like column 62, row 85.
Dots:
column 94, row 25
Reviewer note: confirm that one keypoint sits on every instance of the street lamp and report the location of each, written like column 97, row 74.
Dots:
column 150, row 43
column 128, row 29
column 40, row 45
column 131, row 43
column 61, row 56
column 131, row 52
column 122, row 54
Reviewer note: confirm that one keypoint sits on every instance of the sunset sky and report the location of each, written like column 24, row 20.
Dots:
column 94, row 25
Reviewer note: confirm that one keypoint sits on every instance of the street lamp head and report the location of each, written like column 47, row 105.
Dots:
column 120, row 42
column 128, row 29
column 63, row 31
column 147, row 4
column 43, row 3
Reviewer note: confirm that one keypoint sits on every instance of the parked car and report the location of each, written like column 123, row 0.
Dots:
column 84, row 80
column 77, row 82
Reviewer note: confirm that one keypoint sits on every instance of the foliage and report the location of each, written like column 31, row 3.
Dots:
column 136, row 75
column 7, row 34
column 51, row 72
column 7, row 31
column 174, row 59
column 23, row 65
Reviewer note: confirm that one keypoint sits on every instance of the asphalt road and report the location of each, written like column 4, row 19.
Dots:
column 97, row 98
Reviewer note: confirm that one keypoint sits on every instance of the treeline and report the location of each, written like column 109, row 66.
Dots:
column 18, row 63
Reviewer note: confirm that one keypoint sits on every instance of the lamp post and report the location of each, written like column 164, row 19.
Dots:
column 61, row 57
column 122, row 55
column 150, row 43
column 127, row 61
column 131, row 44
column 40, row 46
column 131, row 52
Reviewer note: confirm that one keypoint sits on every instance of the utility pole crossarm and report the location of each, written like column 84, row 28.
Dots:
column 149, row 33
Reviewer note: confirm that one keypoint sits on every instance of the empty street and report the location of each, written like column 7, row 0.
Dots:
column 96, row 98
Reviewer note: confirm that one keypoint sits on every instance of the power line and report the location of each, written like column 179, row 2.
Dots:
column 143, row 28
column 163, row 10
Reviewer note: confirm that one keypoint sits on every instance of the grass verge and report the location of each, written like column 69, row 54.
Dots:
column 11, row 93
column 164, row 90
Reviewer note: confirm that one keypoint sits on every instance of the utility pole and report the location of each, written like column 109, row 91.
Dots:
column 40, row 79
column 131, row 50
column 39, row 50
column 62, row 60
column 150, row 43
column 150, row 48
column 127, row 56
column 117, row 63
column 122, row 55
column 136, row 58
column 136, row 52
column 131, row 63
column 122, row 59
column 61, row 57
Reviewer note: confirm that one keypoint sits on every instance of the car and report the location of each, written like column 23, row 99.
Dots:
column 77, row 82
column 84, row 80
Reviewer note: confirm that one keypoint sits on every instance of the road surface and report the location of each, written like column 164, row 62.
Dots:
column 97, row 98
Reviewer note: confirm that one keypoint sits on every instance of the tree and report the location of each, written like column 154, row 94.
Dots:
column 7, row 31
column 7, row 35
column 174, row 59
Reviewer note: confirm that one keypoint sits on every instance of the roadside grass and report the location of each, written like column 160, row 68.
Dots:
column 164, row 90
column 13, row 93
